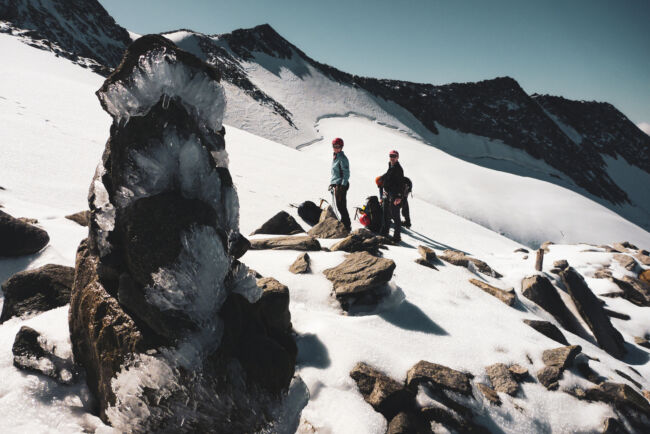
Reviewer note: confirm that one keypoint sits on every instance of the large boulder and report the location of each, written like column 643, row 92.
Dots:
column 280, row 224
column 360, row 272
column 20, row 238
column 592, row 312
column 171, row 329
column 36, row 290
column 304, row 243
column 462, row 260
column 540, row 290
column 328, row 226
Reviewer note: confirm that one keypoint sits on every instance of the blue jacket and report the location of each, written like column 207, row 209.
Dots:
column 340, row 169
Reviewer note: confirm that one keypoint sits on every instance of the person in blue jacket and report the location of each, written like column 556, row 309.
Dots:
column 340, row 180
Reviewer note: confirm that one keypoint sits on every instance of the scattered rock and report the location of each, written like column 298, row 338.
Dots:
column 521, row 250
column 628, row 378
column 626, row 261
column 592, row 312
column 524, row 257
column 360, row 272
column 438, row 376
column 328, row 226
column 603, row 273
column 274, row 304
column 508, row 297
column 386, row 395
column 454, row 422
column 541, row 291
column 518, row 372
column 20, row 238
column 546, row 246
column 489, row 394
column 301, row 264
column 32, row 353
column 561, row 357
column 549, row 376
column 305, row 243
column 36, row 290
column 613, row 426
column 642, row 342
column 427, row 253
column 425, row 263
column 548, row 329
column 561, row 264
column 82, row 218
column 460, row 259
column 361, row 240
column 624, row 247
column 502, row 379
column 583, row 368
column 406, row 423
column 28, row 220
column 238, row 244
column 634, row 290
column 619, row 394
column 280, row 224
column 613, row 314
column 643, row 258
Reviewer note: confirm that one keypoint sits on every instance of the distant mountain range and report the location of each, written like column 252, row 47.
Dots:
column 277, row 91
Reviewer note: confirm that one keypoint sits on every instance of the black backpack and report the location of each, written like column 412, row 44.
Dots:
column 408, row 186
column 309, row 212
column 373, row 210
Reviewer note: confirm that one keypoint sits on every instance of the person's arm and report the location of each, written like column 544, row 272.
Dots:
column 344, row 167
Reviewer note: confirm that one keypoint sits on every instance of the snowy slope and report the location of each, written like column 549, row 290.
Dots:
column 55, row 136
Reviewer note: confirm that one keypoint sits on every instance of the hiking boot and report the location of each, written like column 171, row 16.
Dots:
column 396, row 239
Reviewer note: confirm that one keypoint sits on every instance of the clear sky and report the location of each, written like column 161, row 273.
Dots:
column 580, row 49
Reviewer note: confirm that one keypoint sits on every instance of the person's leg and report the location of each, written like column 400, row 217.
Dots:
column 406, row 212
column 397, row 234
column 341, row 193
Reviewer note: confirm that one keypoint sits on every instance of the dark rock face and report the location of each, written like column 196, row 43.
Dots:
column 306, row 243
column 36, row 290
column 387, row 396
column 462, row 260
column 439, row 376
column 280, row 224
column 592, row 312
column 75, row 29
column 158, row 287
column 20, row 238
column 547, row 329
column 32, row 353
column 540, row 290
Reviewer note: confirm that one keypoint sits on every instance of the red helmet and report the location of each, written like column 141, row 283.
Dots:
column 393, row 152
column 337, row 142
column 364, row 219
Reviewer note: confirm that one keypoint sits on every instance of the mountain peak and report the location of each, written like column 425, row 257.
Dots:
column 262, row 38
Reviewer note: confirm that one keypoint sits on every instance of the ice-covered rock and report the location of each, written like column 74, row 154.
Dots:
column 170, row 327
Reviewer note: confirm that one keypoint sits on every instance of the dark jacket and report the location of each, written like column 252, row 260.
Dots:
column 394, row 181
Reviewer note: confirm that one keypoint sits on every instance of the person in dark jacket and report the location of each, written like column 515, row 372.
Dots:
column 406, row 212
column 392, row 194
column 340, row 181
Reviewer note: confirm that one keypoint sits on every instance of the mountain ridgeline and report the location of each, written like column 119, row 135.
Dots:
column 572, row 137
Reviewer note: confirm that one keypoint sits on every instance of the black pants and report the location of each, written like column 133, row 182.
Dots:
column 405, row 210
column 391, row 212
column 341, row 193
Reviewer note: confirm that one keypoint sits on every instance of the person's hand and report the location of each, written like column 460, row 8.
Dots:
column 397, row 201
column 331, row 187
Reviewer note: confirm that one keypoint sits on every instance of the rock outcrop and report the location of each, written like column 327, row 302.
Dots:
column 280, row 224
column 593, row 313
column 20, row 238
column 36, row 290
column 172, row 330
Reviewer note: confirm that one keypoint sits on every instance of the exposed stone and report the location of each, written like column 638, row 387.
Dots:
column 20, row 238
column 613, row 426
column 549, row 376
column 508, row 297
column 405, row 423
column 238, row 244
column 328, row 226
column 36, row 290
column 546, row 246
column 33, row 353
column 645, row 276
column 628, row 378
column 82, row 218
column 489, row 393
column 561, row 264
column 425, row 263
column 280, row 224
column 360, row 272
column 540, row 290
column 454, row 422
column 462, row 260
column 642, row 342
column 502, row 379
column 626, row 261
column 518, row 372
column 521, row 250
column 603, row 273
column 427, row 253
column 28, row 220
column 643, row 258
column 304, row 243
column 438, row 376
column 301, row 264
column 386, row 395
column 361, row 240
column 618, row 315
column 646, row 393
column 561, row 357
column 592, row 312
column 548, row 329
column 620, row 395
column 274, row 304
column 624, row 246
column 634, row 290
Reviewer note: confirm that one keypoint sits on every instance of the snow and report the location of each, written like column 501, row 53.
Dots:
column 645, row 127
column 438, row 316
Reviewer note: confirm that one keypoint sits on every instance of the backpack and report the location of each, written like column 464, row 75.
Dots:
column 372, row 209
column 408, row 186
column 309, row 212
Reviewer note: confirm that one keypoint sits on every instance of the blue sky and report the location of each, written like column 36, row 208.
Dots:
column 580, row 49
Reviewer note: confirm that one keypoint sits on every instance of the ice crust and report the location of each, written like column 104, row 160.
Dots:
column 105, row 211
column 158, row 74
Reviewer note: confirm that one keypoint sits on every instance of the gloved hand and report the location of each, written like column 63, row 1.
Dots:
column 331, row 187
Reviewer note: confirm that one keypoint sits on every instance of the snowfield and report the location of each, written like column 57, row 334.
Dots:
column 52, row 136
